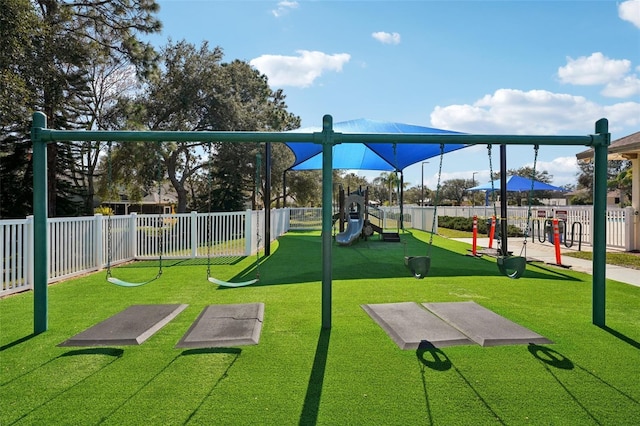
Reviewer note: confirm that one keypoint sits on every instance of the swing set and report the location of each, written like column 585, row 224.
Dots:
column 211, row 278
column 327, row 138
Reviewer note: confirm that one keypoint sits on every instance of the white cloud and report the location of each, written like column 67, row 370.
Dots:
column 511, row 111
column 563, row 169
column 386, row 38
column 284, row 7
column 301, row 70
column 623, row 88
column 593, row 70
column 630, row 11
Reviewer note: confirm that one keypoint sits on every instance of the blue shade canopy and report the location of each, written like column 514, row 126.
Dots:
column 517, row 183
column 370, row 156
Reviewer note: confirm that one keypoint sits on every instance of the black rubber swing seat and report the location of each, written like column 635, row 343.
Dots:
column 418, row 265
column 512, row 266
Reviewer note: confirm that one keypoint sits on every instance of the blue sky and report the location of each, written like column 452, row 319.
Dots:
column 491, row 67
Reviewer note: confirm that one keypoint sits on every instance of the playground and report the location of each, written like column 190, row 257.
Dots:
column 319, row 328
column 300, row 373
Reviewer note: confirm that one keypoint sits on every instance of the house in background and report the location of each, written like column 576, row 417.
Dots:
column 626, row 148
column 151, row 203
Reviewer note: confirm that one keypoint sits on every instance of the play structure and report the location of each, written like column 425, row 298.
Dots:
column 356, row 218
column 354, row 210
column 325, row 141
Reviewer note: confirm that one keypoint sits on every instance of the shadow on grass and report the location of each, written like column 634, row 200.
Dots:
column 169, row 263
column 188, row 352
column 17, row 342
column 299, row 260
column 552, row 358
column 622, row 337
column 309, row 415
column 117, row 353
column 225, row 373
column 435, row 359
column 112, row 352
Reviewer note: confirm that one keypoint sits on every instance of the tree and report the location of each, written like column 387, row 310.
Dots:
column 18, row 24
column 454, row 190
column 54, row 43
column 618, row 171
column 388, row 180
column 194, row 91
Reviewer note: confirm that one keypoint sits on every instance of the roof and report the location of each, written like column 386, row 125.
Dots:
column 624, row 148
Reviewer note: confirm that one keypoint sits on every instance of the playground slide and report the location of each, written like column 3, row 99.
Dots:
column 354, row 228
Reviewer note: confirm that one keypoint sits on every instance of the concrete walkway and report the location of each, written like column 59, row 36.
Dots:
column 545, row 252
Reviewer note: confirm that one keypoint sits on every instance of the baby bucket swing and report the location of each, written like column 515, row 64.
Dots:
column 420, row 265
column 159, row 231
column 514, row 266
column 215, row 280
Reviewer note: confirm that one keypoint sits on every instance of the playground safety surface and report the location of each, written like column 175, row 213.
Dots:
column 225, row 326
column 132, row 326
column 216, row 326
column 446, row 324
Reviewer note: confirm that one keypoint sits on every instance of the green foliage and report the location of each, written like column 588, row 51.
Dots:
column 103, row 210
column 466, row 224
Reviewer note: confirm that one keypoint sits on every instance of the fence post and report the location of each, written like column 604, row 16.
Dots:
column 133, row 241
column 195, row 243
column 29, row 250
column 629, row 240
column 248, row 228
column 98, row 225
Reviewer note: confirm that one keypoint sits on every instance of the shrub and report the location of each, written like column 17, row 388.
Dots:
column 466, row 224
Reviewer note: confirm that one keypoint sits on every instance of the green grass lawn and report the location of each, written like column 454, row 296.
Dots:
column 352, row 374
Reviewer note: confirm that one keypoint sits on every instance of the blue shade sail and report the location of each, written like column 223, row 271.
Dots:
column 517, row 183
column 370, row 156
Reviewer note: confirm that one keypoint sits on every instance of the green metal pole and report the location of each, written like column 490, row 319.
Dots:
column 601, row 151
column 40, row 275
column 327, row 199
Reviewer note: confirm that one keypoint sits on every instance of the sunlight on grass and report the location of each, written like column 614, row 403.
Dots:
column 350, row 374
column 629, row 260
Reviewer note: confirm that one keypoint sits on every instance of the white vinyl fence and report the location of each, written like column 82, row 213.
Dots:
column 578, row 221
column 81, row 245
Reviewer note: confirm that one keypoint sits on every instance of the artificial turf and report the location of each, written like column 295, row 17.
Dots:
column 353, row 373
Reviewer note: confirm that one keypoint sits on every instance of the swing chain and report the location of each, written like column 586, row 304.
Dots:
column 436, row 201
column 109, row 241
column 527, row 229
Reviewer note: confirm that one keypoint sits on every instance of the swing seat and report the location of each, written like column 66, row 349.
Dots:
column 512, row 266
column 418, row 265
column 230, row 284
column 123, row 283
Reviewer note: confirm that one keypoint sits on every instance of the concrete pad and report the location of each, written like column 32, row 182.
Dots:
column 225, row 326
column 132, row 326
column 409, row 325
column 484, row 326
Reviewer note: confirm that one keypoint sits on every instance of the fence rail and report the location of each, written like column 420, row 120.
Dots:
column 88, row 244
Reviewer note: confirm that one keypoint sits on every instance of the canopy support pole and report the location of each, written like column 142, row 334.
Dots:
column 267, row 199
column 327, row 199
column 601, row 150
column 503, row 201
column 40, row 243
